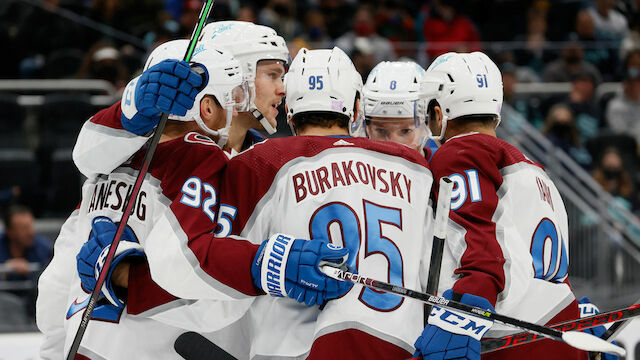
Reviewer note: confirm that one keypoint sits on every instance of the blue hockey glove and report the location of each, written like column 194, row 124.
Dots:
column 285, row 266
column 451, row 334
column 170, row 86
column 93, row 253
column 589, row 309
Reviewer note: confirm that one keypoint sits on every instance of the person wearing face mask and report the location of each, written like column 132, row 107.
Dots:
column 622, row 111
column 569, row 64
column 364, row 27
column 560, row 129
column 611, row 174
column 443, row 24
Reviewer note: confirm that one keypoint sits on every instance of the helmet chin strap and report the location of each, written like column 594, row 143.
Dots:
column 263, row 120
column 440, row 136
column 223, row 133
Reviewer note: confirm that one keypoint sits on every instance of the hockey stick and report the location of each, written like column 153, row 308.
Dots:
column 86, row 315
column 193, row 346
column 505, row 342
column 612, row 332
column 576, row 339
column 439, row 234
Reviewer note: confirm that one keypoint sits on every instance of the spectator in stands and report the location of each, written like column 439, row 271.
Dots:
column 103, row 62
column 246, row 13
column 315, row 31
column 560, row 128
column 582, row 102
column 534, row 54
column 364, row 27
column 395, row 22
column 445, row 29
column 609, row 23
column 605, row 58
column 632, row 40
column 570, row 63
column 363, row 56
column 623, row 111
column 281, row 16
column 514, row 108
column 22, row 251
column 615, row 179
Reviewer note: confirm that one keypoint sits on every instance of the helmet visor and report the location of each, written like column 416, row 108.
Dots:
column 241, row 97
column 400, row 130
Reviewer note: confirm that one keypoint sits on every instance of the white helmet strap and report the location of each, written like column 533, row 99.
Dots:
column 263, row 121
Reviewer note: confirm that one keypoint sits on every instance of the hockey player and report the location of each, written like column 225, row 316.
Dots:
column 393, row 108
column 507, row 243
column 105, row 141
column 170, row 190
column 370, row 197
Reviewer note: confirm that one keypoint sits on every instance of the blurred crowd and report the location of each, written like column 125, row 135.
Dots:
column 582, row 43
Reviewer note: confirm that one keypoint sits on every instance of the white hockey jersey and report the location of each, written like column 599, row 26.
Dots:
column 370, row 197
column 508, row 240
column 153, row 318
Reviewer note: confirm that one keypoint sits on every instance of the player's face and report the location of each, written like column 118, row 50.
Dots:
column 269, row 88
column 399, row 130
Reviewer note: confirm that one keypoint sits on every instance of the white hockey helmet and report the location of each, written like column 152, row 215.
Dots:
column 463, row 84
column 392, row 90
column 222, row 77
column 249, row 44
column 324, row 81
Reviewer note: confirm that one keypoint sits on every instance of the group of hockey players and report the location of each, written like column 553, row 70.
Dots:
column 228, row 230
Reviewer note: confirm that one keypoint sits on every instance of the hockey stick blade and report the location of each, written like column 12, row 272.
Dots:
column 620, row 316
column 584, row 341
column 578, row 341
column 130, row 201
column 193, row 346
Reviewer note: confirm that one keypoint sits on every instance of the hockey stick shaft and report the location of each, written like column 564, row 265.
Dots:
column 194, row 346
column 505, row 342
column 439, row 235
column 578, row 340
column 130, row 201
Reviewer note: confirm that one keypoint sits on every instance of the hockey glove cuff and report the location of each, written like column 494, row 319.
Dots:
column 169, row 86
column 285, row 266
column 588, row 309
column 92, row 255
column 452, row 334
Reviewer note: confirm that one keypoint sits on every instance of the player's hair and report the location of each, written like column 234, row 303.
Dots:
column 484, row 119
column 324, row 119
column 11, row 211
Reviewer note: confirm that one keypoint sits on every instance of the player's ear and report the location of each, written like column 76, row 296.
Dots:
column 356, row 107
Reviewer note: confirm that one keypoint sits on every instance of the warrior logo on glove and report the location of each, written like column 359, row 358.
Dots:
column 285, row 266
